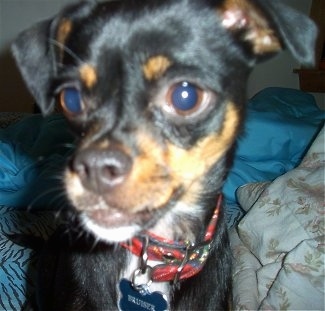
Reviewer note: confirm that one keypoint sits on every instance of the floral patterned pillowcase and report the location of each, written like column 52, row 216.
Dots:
column 282, row 237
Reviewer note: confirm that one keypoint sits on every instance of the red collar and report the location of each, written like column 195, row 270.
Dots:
column 181, row 260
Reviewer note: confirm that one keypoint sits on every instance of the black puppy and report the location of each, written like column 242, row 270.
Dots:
column 155, row 91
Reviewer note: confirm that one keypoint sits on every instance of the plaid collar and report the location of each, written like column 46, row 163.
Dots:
column 180, row 259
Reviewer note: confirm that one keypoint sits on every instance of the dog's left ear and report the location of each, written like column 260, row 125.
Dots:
column 267, row 26
column 35, row 61
column 35, row 51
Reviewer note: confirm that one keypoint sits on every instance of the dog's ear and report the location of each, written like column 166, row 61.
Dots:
column 34, row 58
column 269, row 26
column 36, row 52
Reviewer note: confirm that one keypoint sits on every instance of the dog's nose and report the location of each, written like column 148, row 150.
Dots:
column 101, row 170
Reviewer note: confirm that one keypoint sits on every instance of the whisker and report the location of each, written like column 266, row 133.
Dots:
column 67, row 145
column 56, row 190
column 66, row 49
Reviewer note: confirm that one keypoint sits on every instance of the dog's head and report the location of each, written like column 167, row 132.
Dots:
column 155, row 90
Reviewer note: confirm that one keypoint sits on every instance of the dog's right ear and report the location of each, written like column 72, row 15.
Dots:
column 265, row 27
column 35, row 58
column 36, row 52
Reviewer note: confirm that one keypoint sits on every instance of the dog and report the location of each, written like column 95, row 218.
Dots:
column 155, row 92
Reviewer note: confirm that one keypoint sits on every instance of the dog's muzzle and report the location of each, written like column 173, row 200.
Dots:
column 101, row 170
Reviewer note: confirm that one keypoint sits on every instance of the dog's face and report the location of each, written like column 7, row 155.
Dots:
column 155, row 91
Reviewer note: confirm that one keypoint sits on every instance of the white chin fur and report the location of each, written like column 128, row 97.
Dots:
column 111, row 235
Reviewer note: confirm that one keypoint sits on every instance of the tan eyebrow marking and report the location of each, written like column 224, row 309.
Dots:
column 88, row 75
column 155, row 67
column 64, row 29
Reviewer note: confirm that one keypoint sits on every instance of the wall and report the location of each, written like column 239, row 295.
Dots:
column 16, row 15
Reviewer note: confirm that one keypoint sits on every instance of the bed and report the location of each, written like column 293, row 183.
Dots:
column 274, row 201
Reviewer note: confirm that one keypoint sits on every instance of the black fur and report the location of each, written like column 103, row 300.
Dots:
column 77, row 272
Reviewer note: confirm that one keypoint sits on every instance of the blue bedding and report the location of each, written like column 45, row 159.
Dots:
column 32, row 155
column 281, row 124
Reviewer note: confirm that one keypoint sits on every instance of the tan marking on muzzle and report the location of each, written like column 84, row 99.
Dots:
column 195, row 162
column 164, row 169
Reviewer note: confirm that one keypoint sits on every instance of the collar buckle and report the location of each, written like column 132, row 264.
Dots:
column 182, row 265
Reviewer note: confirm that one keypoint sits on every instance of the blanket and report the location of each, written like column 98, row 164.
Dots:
column 279, row 244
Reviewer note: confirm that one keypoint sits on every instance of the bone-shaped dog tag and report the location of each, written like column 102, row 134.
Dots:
column 143, row 300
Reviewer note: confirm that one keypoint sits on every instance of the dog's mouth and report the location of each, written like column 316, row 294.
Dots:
column 123, row 211
column 116, row 218
column 113, row 225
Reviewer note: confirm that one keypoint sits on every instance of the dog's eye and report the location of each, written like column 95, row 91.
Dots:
column 70, row 100
column 184, row 97
column 187, row 100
